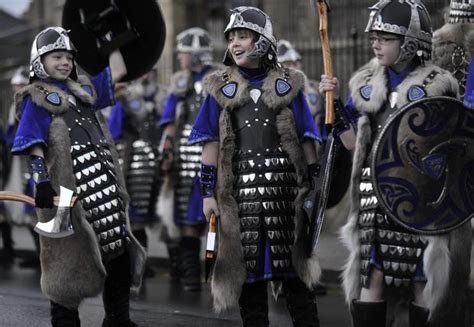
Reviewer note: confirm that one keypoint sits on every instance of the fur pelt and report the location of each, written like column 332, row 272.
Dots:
column 447, row 256
column 447, row 38
column 71, row 267
column 229, row 273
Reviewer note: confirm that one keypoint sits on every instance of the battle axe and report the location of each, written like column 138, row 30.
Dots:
column 60, row 225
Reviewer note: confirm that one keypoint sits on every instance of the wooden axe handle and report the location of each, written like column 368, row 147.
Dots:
column 19, row 197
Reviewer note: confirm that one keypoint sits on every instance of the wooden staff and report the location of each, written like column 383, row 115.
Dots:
column 323, row 9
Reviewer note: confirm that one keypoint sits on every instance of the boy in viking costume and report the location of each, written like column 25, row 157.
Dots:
column 69, row 145
column 180, row 202
column 133, row 124
column 386, row 259
column 453, row 47
column 258, row 137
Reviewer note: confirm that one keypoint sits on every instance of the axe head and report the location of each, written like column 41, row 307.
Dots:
column 60, row 226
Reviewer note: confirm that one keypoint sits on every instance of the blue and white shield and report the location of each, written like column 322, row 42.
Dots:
column 423, row 165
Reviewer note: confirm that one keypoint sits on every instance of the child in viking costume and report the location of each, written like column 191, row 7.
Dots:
column 180, row 201
column 388, row 262
column 453, row 47
column 258, row 137
column 69, row 145
column 133, row 124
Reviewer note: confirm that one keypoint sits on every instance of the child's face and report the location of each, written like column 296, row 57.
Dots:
column 58, row 64
column 240, row 44
column 185, row 60
column 386, row 47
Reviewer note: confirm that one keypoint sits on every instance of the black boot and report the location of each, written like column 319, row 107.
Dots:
column 190, row 265
column 8, row 253
column 301, row 303
column 173, row 254
column 418, row 316
column 64, row 317
column 116, row 293
column 368, row 314
column 253, row 305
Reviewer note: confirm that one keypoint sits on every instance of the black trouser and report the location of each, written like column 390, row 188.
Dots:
column 300, row 301
column 116, row 296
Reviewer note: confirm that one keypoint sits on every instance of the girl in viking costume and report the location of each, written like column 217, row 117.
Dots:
column 385, row 258
column 180, row 201
column 258, row 137
column 69, row 145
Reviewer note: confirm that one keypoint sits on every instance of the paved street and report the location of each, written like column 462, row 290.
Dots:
column 159, row 304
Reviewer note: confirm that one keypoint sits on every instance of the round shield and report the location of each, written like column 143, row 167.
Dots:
column 137, row 29
column 423, row 165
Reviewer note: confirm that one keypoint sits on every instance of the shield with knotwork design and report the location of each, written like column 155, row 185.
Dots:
column 423, row 165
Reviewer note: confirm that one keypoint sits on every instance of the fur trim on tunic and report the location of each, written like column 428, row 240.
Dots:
column 230, row 273
column 72, row 267
column 447, row 38
column 446, row 256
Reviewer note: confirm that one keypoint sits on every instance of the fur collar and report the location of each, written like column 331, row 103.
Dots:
column 373, row 76
column 214, row 83
column 182, row 80
column 39, row 90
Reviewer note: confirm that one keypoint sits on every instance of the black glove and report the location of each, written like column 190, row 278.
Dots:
column 342, row 118
column 45, row 195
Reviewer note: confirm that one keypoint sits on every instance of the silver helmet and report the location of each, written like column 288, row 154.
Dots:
column 287, row 52
column 20, row 76
column 253, row 19
column 196, row 41
column 407, row 18
column 461, row 11
column 49, row 40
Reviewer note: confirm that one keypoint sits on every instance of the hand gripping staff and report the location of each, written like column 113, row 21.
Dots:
column 316, row 201
column 211, row 252
column 60, row 225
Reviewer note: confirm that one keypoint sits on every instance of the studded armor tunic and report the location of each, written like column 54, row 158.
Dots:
column 384, row 244
column 94, row 171
column 132, row 125
column 264, row 178
column 182, row 108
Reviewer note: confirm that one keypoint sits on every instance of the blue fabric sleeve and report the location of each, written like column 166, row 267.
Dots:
column 206, row 126
column 169, row 110
column 116, row 120
column 352, row 111
column 33, row 127
column 305, row 125
column 104, row 88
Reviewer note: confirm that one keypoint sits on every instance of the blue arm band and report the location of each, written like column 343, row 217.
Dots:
column 38, row 169
column 208, row 180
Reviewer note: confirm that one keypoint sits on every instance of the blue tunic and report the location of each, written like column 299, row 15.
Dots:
column 35, row 120
column 206, row 129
